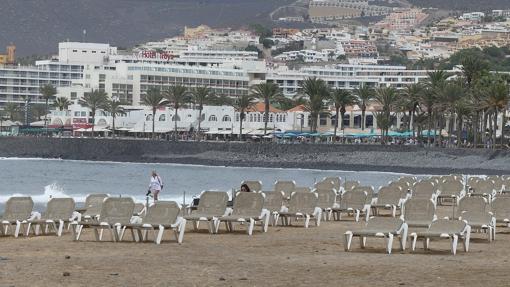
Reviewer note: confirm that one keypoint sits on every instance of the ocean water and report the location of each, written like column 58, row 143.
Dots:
column 45, row 178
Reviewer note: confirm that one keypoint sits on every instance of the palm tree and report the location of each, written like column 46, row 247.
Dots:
column 201, row 96
column 388, row 98
column 268, row 92
column 410, row 102
column 153, row 99
column 382, row 123
column 47, row 91
column 473, row 68
column 11, row 110
column 497, row 100
column 463, row 109
column 115, row 109
column 61, row 103
column 428, row 98
column 448, row 96
column 365, row 95
column 95, row 100
column 242, row 104
column 315, row 94
column 341, row 99
column 176, row 96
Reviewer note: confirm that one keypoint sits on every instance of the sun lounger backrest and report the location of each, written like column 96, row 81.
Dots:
column 213, row 202
column 18, row 208
column 93, row 203
column 447, row 226
column 473, row 181
column 302, row 189
column 303, row 202
column 419, row 209
column 336, row 181
column 484, row 186
column 384, row 224
column 59, row 208
column 350, row 185
column 498, row 182
column 286, row 186
column 117, row 210
column 370, row 193
column 477, row 205
column 325, row 184
column 248, row 204
column 138, row 208
column 451, row 188
column 254, row 185
column 355, row 199
column 326, row 198
column 423, row 189
column 162, row 212
column 273, row 201
column 389, row 195
column 501, row 208
column 408, row 179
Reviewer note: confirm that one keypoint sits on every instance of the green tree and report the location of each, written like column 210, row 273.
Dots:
column 409, row 102
column 201, row 96
column 155, row 100
column 428, row 98
column 269, row 93
column 115, row 109
column 61, row 103
column 48, row 92
column 242, row 104
column 315, row 93
column 365, row 94
column 388, row 98
column 177, row 96
column 12, row 111
column 496, row 101
column 95, row 100
column 341, row 99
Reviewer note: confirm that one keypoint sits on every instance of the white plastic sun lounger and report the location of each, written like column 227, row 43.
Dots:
column 445, row 229
column 386, row 227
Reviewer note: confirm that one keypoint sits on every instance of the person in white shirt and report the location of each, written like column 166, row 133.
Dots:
column 155, row 185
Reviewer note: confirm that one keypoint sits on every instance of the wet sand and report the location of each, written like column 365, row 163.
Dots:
column 284, row 256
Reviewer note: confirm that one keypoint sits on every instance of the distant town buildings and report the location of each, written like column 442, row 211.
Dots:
column 324, row 11
column 9, row 57
column 402, row 19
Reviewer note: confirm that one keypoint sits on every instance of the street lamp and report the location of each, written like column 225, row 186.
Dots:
column 302, row 120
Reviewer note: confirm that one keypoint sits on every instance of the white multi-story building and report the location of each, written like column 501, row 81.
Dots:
column 346, row 77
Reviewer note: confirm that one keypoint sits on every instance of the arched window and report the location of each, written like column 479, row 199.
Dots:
column 271, row 118
column 101, row 122
column 148, row 118
column 178, row 118
column 162, row 118
column 202, row 118
column 283, row 118
column 237, row 117
column 212, row 118
column 226, row 118
column 251, row 117
column 259, row 118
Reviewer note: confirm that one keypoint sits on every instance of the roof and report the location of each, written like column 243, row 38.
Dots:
column 260, row 107
column 300, row 108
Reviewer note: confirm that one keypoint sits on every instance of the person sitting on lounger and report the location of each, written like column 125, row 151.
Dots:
column 245, row 188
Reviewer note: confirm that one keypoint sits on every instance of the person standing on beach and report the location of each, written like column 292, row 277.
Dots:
column 155, row 185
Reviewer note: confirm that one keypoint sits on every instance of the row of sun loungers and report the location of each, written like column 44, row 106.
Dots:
column 415, row 199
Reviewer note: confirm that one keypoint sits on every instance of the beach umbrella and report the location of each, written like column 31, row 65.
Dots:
column 304, row 134
column 315, row 135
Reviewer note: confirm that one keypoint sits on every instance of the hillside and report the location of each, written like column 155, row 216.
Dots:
column 36, row 26
column 463, row 5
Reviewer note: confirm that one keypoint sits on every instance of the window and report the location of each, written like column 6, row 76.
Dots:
column 237, row 117
column 271, row 118
column 174, row 119
column 226, row 118
column 162, row 118
column 212, row 118
column 76, row 114
column 148, row 118
column 83, row 114
column 73, row 95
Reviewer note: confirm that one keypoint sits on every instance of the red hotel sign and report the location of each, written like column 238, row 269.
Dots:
column 164, row 56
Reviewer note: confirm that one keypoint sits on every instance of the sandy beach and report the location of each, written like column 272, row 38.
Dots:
column 284, row 256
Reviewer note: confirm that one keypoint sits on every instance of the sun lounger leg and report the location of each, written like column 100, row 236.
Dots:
column 467, row 237
column 60, row 228
column 158, row 238
column 348, row 240
column 403, row 238
column 307, row 220
column 454, row 240
column 426, row 243
column 389, row 243
column 357, row 215
column 394, row 210
column 96, row 234
column 182, row 229
column 250, row 228
column 362, row 241
column 413, row 244
column 18, row 227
